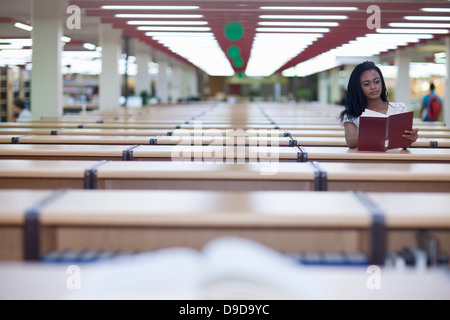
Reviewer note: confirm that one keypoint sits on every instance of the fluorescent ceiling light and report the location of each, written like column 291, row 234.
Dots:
column 202, row 51
column 395, row 30
column 428, row 18
column 23, row 26
column 312, row 8
column 303, row 30
column 167, row 22
column 147, row 28
column 65, row 39
column 299, row 24
column 436, row 9
column 89, row 46
column 178, row 34
column 419, row 25
column 368, row 46
column 158, row 16
column 109, row 7
column 270, row 51
column 10, row 47
column 303, row 17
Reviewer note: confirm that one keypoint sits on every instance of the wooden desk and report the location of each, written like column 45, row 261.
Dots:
column 229, row 126
column 409, row 212
column 334, row 154
column 64, row 152
column 113, row 132
column 14, row 204
column 138, row 220
column 205, row 176
column 88, row 139
column 200, row 131
column 46, row 174
column 167, row 126
column 227, row 140
column 7, row 138
column 26, row 131
column 38, row 125
column 340, row 142
column 287, row 221
column 385, row 177
column 214, row 153
column 298, row 134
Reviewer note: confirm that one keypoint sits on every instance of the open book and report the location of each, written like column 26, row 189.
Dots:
column 380, row 132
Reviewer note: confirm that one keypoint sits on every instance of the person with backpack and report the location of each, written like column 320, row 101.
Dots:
column 431, row 106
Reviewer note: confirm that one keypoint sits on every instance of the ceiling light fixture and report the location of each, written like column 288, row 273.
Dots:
column 157, row 16
column 303, row 17
column 199, row 23
column 311, row 8
column 23, row 26
column 110, row 7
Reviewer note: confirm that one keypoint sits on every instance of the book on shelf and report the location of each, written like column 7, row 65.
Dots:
column 380, row 132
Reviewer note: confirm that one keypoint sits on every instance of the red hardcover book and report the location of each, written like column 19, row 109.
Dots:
column 380, row 132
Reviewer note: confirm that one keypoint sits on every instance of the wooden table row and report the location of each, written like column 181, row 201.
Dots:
column 36, row 222
column 198, row 175
column 217, row 153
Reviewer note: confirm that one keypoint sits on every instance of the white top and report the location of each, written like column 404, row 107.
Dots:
column 393, row 108
column 25, row 115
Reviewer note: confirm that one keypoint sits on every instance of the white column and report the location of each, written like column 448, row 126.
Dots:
column 335, row 89
column 402, row 83
column 176, row 82
column 162, row 90
column 109, row 82
column 46, row 75
column 190, row 83
column 143, row 75
column 323, row 88
column 446, row 97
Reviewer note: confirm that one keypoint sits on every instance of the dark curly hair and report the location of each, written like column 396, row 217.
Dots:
column 356, row 103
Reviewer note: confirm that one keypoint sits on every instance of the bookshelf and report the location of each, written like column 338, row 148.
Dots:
column 6, row 94
column 80, row 89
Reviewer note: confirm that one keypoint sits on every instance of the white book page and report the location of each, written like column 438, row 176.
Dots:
column 371, row 113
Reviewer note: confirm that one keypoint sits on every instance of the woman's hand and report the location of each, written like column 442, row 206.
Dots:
column 411, row 134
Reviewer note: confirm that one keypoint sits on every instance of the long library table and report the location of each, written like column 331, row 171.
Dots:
column 200, row 131
column 200, row 175
column 341, row 142
column 213, row 153
column 430, row 134
column 64, row 152
column 159, row 140
column 46, row 174
column 428, row 155
column 40, row 222
column 193, row 175
column 7, row 138
column 384, row 177
column 149, row 152
column 79, row 174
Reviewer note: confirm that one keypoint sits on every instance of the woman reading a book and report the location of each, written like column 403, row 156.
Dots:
column 367, row 90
